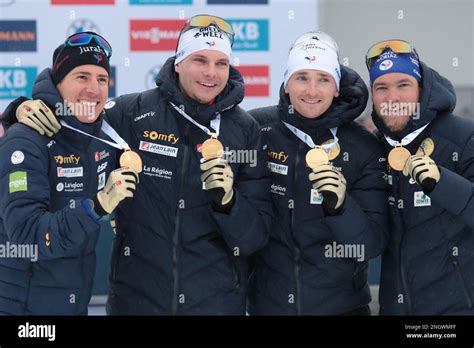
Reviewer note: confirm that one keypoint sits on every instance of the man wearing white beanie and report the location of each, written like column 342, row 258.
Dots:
column 327, row 187
column 181, row 245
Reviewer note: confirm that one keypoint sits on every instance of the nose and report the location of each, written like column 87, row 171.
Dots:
column 393, row 95
column 92, row 87
column 210, row 70
column 312, row 89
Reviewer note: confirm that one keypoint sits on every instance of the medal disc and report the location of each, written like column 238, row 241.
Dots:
column 131, row 159
column 315, row 157
column 212, row 148
column 426, row 147
column 334, row 151
column 397, row 157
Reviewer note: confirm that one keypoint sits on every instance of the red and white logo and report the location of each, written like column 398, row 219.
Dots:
column 154, row 35
column 256, row 79
column 82, row 2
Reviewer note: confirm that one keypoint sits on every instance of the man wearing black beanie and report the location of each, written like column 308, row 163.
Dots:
column 54, row 192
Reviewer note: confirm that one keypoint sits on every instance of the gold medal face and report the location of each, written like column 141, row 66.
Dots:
column 397, row 157
column 132, row 160
column 317, row 156
column 334, row 151
column 426, row 147
column 212, row 148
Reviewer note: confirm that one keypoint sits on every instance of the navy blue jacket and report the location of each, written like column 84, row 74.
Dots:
column 428, row 267
column 299, row 272
column 174, row 253
column 43, row 182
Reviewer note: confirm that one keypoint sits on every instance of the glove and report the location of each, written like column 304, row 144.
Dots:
column 35, row 114
column 219, row 179
column 424, row 171
column 120, row 184
column 331, row 184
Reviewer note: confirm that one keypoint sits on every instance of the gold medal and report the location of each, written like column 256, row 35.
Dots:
column 212, row 148
column 317, row 156
column 132, row 160
column 334, row 151
column 398, row 157
column 426, row 147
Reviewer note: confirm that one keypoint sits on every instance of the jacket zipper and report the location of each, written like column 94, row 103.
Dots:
column 401, row 255
column 463, row 284
column 174, row 300
column 295, row 248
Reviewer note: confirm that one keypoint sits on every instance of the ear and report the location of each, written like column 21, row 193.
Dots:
column 286, row 89
column 336, row 94
column 177, row 68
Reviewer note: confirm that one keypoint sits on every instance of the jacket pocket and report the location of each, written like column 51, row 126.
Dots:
column 463, row 284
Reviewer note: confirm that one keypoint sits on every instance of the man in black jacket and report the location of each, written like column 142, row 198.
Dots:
column 330, row 214
column 428, row 267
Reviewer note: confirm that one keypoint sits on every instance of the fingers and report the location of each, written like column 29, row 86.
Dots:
column 219, row 162
column 50, row 116
column 28, row 122
column 217, row 170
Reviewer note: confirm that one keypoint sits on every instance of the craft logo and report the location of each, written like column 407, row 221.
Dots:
column 154, row 35
column 256, row 79
column 16, row 82
column 250, row 34
column 17, row 36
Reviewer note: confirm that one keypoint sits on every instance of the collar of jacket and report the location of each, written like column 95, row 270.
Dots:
column 352, row 100
column 437, row 97
column 45, row 90
column 232, row 94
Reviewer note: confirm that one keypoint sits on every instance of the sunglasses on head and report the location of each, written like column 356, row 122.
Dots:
column 85, row 38
column 396, row 46
column 204, row 21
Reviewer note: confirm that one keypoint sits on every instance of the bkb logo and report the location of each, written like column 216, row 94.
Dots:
column 16, row 82
column 17, row 36
column 250, row 34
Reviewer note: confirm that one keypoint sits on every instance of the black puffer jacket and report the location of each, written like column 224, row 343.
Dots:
column 428, row 267
column 175, row 254
column 301, row 270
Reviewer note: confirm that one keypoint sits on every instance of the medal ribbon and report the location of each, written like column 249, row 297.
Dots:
column 215, row 122
column 407, row 139
column 309, row 141
column 107, row 129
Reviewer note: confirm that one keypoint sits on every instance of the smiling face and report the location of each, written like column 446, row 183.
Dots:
column 395, row 98
column 203, row 75
column 85, row 89
column 311, row 92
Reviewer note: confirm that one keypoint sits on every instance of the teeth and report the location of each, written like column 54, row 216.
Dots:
column 311, row 101
column 207, row 84
column 87, row 103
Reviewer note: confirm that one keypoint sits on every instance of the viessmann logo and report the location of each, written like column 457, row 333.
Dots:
column 17, row 36
column 256, row 79
column 154, row 35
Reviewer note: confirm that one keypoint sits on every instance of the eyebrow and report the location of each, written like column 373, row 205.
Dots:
column 377, row 84
column 89, row 74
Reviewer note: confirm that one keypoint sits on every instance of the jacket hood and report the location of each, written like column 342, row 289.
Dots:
column 352, row 100
column 232, row 94
column 437, row 97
